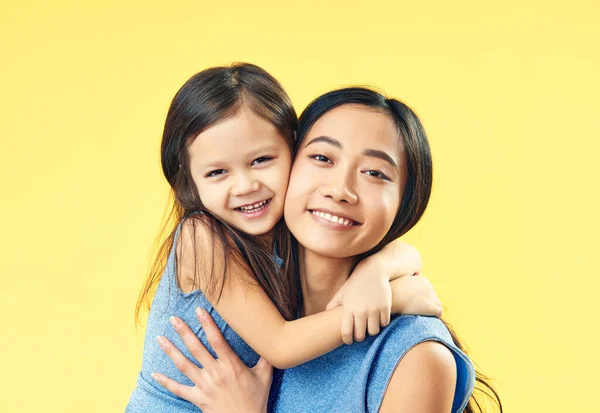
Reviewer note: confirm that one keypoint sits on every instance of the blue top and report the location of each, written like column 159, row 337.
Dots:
column 354, row 378
column 149, row 396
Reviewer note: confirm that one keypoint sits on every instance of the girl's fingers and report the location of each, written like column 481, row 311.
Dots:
column 217, row 341
column 191, row 341
column 360, row 327
column 189, row 369
column 373, row 324
column 384, row 318
column 347, row 328
column 178, row 389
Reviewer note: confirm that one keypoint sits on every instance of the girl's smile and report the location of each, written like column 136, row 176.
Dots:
column 241, row 167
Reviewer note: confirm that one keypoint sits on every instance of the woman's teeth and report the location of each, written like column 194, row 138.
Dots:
column 254, row 207
column 333, row 218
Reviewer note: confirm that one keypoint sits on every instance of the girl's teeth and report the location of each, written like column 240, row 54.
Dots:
column 254, row 206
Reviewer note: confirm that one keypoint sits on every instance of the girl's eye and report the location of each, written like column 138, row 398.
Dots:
column 320, row 158
column 216, row 172
column 262, row 159
column 377, row 174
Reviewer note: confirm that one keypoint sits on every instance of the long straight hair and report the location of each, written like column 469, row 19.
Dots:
column 417, row 190
column 207, row 98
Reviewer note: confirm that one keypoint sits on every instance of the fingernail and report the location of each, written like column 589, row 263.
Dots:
column 156, row 377
column 201, row 313
column 161, row 341
column 175, row 322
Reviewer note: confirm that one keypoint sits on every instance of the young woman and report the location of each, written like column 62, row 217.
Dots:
column 365, row 158
column 226, row 152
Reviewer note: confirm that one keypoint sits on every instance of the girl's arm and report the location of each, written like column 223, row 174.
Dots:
column 246, row 307
column 369, row 296
column 249, row 311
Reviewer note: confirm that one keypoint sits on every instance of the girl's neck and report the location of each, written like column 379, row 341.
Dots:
column 320, row 278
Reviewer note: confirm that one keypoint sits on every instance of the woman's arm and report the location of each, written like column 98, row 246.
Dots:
column 423, row 382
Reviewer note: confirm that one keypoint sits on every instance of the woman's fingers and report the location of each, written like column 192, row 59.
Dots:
column 263, row 371
column 216, row 339
column 178, row 389
column 191, row 341
column 373, row 324
column 189, row 369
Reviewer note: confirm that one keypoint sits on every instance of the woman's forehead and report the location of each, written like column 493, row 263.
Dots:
column 357, row 125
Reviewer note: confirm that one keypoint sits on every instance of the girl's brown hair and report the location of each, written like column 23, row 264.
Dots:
column 205, row 99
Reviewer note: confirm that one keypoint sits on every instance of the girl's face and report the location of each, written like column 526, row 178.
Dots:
column 346, row 182
column 241, row 168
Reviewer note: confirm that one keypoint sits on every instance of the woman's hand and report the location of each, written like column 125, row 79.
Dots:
column 224, row 384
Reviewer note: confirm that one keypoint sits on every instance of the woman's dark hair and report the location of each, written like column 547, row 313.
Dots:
column 207, row 98
column 418, row 185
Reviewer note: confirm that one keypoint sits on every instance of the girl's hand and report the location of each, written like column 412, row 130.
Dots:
column 224, row 384
column 366, row 297
column 366, row 300
column 415, row 295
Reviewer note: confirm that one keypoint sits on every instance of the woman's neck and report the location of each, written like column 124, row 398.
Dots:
column 320, row 278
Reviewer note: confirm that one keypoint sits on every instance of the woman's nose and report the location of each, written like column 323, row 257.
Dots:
column 340, row 188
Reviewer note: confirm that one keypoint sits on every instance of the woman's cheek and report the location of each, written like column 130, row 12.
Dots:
column 382, row 206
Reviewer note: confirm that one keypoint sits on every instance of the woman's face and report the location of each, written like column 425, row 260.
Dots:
column 346, row 182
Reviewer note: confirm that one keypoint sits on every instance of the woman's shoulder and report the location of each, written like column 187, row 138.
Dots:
column 403, row 335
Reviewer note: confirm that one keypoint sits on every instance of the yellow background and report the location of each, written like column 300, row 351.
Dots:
column 508, row 92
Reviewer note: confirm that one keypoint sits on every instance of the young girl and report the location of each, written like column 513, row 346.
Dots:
column 226, row 152
column 367, row 157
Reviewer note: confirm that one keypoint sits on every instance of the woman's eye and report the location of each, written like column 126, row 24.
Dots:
column 377, row 174
column 262, row 159
column 320, row 158
column 216, row 172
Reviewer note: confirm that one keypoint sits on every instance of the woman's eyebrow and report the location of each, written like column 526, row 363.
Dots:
column 374, row 153
column 326, row 139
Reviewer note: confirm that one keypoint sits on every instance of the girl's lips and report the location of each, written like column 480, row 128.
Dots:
column 256, row 212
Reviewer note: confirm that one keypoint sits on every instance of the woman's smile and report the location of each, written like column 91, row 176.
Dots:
column 334, row 220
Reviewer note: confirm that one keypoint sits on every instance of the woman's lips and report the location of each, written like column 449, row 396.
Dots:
column 333, row 220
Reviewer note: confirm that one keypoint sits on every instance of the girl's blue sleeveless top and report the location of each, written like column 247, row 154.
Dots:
column 149, row 396
column 353, row 379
